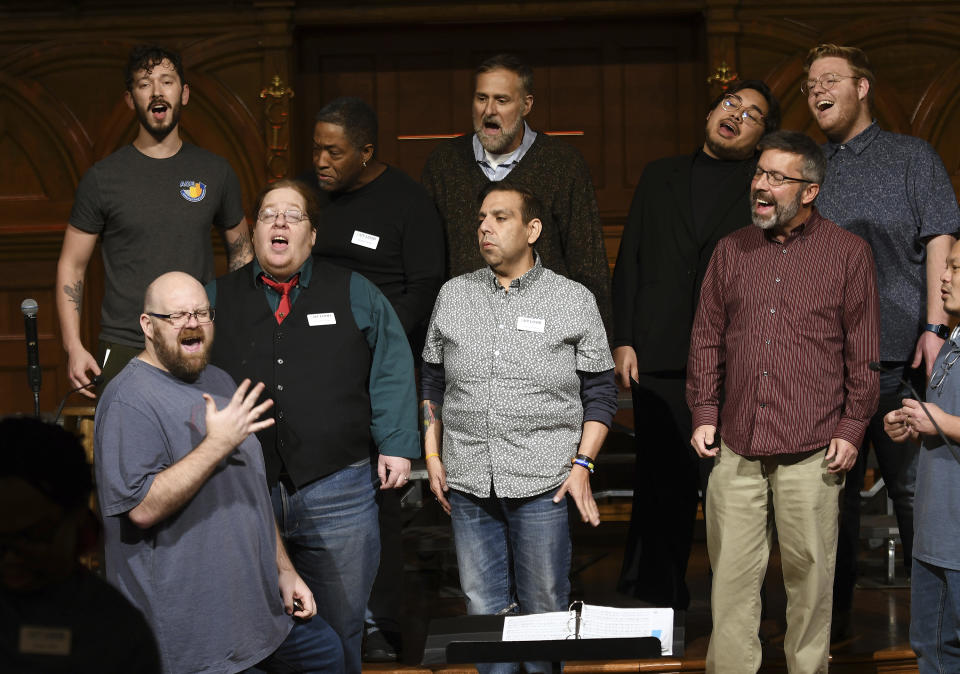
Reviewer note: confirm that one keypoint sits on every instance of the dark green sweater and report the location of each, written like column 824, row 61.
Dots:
column 571, row 243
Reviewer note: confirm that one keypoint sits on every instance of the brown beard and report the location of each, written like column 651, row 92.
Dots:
column 183, row 367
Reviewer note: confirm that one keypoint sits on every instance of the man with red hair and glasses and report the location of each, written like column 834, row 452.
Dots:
column 893, row 191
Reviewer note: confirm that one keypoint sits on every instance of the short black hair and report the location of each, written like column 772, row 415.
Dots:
column 531, row 207
column 512, row 63
column 47, row 457
column 771, row 120
column 149, row 56
column 358, row 120
column 794, row 142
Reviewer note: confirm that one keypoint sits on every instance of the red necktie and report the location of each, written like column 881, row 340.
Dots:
column 283, row 288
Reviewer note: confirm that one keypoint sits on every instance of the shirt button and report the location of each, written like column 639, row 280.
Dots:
column 784, row 251
column 772, row 311
column 762, row 405
column 496, row 353
column 778, row 279
column 764, row 373
column 279, row 387
column 768, row 341
column 280, row 414
column 280, row 360
column 501, row 326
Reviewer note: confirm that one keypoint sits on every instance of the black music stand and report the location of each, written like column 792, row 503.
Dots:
column 470, row 639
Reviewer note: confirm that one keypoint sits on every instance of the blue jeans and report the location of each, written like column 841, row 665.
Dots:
column 935, row 618
column 514, row 557
column 330, row 530
column 311, row 646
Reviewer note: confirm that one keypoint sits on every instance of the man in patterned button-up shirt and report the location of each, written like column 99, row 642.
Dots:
column 517, row 358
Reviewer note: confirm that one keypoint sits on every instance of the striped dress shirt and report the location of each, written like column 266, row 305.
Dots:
column 782, row 339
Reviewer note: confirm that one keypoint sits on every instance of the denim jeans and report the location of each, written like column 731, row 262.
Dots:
column 514, row 557
column 898, row 467
column 330, row 530
column 935, row 618
column 311, row 646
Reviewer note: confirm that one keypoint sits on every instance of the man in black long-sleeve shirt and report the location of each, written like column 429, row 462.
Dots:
column 380, row 223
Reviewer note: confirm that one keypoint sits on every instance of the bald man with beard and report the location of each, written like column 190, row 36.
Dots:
column 189, row 534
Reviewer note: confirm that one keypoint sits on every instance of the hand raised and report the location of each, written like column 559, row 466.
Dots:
column 231, row 425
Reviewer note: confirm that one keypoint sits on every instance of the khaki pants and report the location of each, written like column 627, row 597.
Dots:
column 744, row 499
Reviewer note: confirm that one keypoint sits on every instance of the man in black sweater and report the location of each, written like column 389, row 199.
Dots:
column 682, row 206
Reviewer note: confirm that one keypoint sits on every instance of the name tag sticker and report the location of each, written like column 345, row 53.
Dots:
column 366, row 240
column 530, row 324
column 44, row 640
column 321, row 319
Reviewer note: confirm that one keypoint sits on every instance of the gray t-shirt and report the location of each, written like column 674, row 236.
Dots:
column 206, row 577
column 893, row 191
column 936, row 508
column 154, row 216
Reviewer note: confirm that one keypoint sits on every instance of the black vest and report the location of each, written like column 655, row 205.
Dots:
column 317, row 375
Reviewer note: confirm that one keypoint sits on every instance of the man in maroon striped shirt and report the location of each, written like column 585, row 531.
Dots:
column 780, row 392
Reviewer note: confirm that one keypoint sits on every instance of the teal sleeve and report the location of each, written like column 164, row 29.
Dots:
column 393, row 398
column 211, row 289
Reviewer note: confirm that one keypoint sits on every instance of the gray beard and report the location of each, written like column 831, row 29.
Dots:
column 782, row 213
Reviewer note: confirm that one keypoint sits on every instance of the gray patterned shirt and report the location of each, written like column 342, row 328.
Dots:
column 893, row 191
column 512, row 412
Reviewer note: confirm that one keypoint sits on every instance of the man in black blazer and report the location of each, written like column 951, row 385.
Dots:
column 681, row 208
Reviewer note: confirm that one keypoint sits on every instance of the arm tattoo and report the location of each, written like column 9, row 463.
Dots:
column 75, row 294
column 430, row 413
column 239, row 252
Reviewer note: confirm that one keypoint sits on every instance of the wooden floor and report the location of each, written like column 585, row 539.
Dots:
column 879, row 642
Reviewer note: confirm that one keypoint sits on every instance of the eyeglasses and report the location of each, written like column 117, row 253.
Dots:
column 181, row 318
column 936, row 381
column 827, row 81
column 732, row 103
column 776, row 179
column 268, row 216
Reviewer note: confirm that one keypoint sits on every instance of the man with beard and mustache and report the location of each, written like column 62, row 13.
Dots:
column 892, row 190
column 151, row 205
column 780, row 393
column 682, row 206
column 503, row 144
column 189, row 533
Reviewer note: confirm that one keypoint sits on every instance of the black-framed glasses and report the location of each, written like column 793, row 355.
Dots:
column 827, row 81
column 776, row 179
column 268, row 216
column 733, row 103
column 181, row 318
column 936, row 381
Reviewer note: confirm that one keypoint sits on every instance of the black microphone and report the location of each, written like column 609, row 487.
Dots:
column 94, row 381
column 878, row 367
column 29, row 309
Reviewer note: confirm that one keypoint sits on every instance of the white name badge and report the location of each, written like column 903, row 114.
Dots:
column 44, row 640
column 530, row 324
column 321, row 319
column 366, row 240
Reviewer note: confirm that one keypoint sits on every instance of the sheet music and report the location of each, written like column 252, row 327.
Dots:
column 596, row 622
column 538, row 626
column 605, row 622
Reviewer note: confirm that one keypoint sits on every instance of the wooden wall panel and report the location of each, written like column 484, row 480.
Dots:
column 630, row 75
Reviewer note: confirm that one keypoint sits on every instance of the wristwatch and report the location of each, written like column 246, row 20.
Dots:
column 939, row 329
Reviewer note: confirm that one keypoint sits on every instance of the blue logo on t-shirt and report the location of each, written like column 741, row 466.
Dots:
column 192, row 190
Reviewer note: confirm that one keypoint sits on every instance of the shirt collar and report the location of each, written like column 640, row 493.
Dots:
column 529, row 135
column 858, row 143
column 526, row 280
column 806, row 228
column 305, row 271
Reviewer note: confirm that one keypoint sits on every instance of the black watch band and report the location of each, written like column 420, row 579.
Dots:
column 939, row 329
